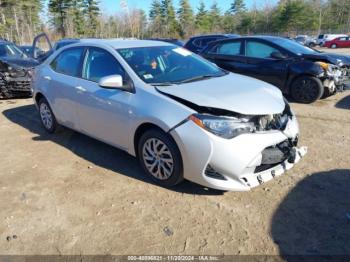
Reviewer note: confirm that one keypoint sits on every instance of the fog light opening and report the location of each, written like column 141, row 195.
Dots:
column 212, row 173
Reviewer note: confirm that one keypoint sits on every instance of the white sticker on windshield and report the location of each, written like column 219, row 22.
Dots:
column 182, row 51
column 147, row 76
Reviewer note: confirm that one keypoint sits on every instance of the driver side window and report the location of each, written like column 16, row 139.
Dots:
column 100, row 63
column 259, row 50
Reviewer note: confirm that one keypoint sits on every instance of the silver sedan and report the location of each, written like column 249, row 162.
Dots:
column 182, row 116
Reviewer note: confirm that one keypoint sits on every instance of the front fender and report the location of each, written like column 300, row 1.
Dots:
column 151, row 107
column 303, row 67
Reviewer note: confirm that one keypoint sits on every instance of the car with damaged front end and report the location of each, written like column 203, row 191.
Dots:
column 180, row 115
column 15, row 71
column 303, row 73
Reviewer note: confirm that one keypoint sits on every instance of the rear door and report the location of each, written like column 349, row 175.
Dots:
column 342, row 41
column 61, row 84
column 347, row 42
column 261, row 64
column 228, row 55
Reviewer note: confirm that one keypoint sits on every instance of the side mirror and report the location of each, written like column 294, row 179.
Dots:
column 111, row 82
column 277, row 55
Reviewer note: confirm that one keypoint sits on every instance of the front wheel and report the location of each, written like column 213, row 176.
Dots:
column 47, row 117
column 160, row 158
column 334, row 46
column 307, row 89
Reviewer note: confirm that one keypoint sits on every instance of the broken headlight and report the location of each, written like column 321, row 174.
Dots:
column 226, row 127
column 330, row 69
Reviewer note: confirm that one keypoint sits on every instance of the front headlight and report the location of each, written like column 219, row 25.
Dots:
column 330, row 69
column 226, row 127
column 324, row 65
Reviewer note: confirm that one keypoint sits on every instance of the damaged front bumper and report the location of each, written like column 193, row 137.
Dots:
column 15, row 86
column 335, row 79
column 237, row 164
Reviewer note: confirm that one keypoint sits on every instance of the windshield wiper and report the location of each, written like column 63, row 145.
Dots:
column 198, row 78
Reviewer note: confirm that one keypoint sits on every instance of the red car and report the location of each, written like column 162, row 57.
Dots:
column 338, row 42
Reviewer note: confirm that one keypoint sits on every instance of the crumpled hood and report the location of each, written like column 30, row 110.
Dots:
column 19, row 62
column 330, row 58
column 233, row 92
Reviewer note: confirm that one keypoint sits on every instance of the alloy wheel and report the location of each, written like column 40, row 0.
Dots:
column 157, row 158
column 46, row 116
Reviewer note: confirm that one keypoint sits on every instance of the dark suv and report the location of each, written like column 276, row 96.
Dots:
column 197, row 43
column 304, row 73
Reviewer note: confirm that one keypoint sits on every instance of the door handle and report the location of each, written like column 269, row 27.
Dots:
column 80, row 89
column 47, row 78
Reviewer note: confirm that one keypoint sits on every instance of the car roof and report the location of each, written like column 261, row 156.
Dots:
column 214, row 35
column 124, row 43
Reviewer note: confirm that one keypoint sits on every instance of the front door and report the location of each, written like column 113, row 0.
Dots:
column 103, row 113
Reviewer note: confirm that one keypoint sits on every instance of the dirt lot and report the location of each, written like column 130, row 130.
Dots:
column 69, row 194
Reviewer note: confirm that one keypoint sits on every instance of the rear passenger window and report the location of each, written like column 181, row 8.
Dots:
column 259, row 50
column 203, row 42
column 68, row 62
column 100, row 63
column 229, row 48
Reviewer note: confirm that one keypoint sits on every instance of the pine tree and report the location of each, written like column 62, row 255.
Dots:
column 92, row 12
column 186, row 18
column 172, row 27
column 77, row 11
column 155, row 16
column 58, row 10
column 238, row 6
column 214, row 17
column 19, row 19
column 202, row 19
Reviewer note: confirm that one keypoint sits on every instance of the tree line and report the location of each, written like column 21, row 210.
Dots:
column 20, row 20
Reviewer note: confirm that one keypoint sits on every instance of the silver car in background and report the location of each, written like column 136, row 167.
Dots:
column 182, row 116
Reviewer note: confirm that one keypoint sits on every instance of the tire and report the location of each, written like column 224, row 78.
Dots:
column 312, row 45
column 306, row 89
column 327, row 93
column 333, row 46
column 160, row 158
column 48, row 119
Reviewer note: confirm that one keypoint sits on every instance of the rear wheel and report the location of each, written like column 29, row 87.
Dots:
column 307, row 89
column 47, row 117
column 160, row 158
column 334, row 46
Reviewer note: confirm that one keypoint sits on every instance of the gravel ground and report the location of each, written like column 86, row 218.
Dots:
column 344, row 51
column 70, row 194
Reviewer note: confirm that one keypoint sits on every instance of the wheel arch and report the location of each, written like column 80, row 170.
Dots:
column 37, row 97
column 142, row 128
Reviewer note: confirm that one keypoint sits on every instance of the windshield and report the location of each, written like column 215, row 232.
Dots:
column 10, row 50
column 293, row 46
column 168, row 64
